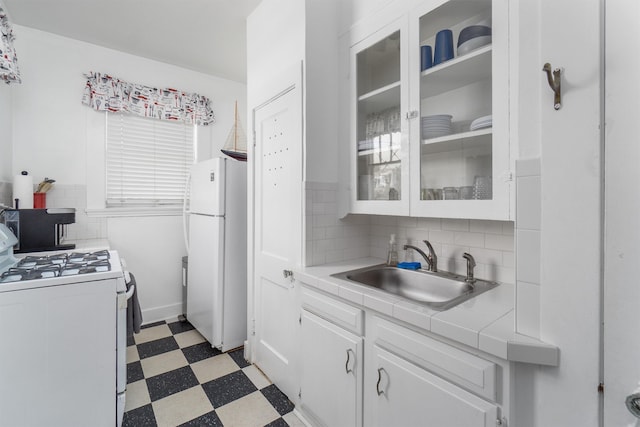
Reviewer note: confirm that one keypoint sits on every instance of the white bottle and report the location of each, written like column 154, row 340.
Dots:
column 392, row 256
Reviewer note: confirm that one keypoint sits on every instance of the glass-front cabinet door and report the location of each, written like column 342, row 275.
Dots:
column 459, row 141
column 379, row 151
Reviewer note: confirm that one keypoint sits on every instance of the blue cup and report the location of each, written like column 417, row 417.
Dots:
column 426, row 58
column 444, row 47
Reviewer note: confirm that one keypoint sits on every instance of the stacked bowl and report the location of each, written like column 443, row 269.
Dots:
column 481, row 123
column 435, row 125
column 473, row 37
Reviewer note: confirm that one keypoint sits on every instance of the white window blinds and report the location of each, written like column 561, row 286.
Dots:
column 147, row 160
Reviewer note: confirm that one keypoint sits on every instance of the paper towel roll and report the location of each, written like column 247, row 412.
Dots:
column 23, row 191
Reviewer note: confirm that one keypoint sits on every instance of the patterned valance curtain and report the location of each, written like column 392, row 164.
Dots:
column 106, row 93
column 9, row 71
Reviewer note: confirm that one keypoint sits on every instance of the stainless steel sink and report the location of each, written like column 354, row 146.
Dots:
column 441, row 290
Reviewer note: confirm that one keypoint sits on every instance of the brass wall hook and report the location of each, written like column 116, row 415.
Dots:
column 554, row 84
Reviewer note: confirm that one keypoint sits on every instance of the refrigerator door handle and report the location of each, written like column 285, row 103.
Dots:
column 185, row 231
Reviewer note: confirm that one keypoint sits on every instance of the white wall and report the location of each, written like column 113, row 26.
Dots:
column 5, row 132
column 51, row 133
column 321, row 91
column 276, row 41
column 622, row 226
column 571, row 242
column 49, row 123
column 6, row 148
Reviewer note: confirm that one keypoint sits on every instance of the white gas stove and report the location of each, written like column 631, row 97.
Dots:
column 63, row 329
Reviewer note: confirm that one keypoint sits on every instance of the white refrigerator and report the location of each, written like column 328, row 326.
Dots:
column 216, row 215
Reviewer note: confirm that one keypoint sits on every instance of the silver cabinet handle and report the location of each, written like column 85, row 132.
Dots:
column 346, row 364
column 633, row 404
column 380, row 392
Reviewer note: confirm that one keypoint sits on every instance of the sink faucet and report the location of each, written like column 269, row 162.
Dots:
column 470, row 264
column 432, row 259
column 432, row 256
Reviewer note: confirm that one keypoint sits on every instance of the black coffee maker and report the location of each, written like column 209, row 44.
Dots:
column 39, row 229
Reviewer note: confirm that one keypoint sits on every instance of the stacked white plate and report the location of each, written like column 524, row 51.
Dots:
column 366, row 144
column 481, row 123
column 435, row 126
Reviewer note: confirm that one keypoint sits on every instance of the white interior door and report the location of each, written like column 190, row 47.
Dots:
column 278, row 228
column 622, row 212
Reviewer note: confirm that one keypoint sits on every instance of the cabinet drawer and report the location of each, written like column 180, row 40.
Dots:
column 469, row 371
column 331, row 309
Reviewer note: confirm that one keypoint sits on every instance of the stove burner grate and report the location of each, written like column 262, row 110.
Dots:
column 41, row 267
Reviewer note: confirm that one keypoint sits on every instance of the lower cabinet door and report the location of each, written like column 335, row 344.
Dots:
column 331, row 378
column 401, row 394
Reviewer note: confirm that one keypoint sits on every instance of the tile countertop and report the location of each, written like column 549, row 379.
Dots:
column 485, row 322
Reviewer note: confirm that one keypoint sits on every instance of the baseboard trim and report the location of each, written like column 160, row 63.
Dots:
column 157, row 314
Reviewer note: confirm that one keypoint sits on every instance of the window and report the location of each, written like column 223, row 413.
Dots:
column 147, row 160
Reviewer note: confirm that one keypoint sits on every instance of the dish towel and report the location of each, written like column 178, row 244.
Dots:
column 134, row 313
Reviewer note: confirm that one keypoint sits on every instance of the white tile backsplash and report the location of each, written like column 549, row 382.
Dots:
column 329, row 238
column 527, row 256
column 455, row 224
column 66, row 196
column 473, row 240
column 333, row 239
column 528, row 312
column 528, row 251
column 430, row 223
column 75, row 196
column 441, row 236
column 500, row 242
column 528, row 202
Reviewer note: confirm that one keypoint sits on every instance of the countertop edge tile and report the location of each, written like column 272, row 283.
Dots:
column 412, row 314
column 351, row 294
column 455, row 332
column 500, row 340
column 535, row 352
column 493, row 338
column 329, row 286
column 379, row 303
column 306, row 278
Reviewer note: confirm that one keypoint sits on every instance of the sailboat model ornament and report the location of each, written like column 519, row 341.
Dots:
column 236, row 144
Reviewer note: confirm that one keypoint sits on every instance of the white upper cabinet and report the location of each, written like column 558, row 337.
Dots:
column 431, row 138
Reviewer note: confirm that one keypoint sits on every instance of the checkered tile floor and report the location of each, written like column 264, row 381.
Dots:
column 175, row 378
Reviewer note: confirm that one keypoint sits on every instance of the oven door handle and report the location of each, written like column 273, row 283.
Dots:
column 130, row 292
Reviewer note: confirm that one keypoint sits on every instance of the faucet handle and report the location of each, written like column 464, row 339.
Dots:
column 471, row 263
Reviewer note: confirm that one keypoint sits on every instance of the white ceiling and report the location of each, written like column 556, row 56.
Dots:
column 208, row 36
